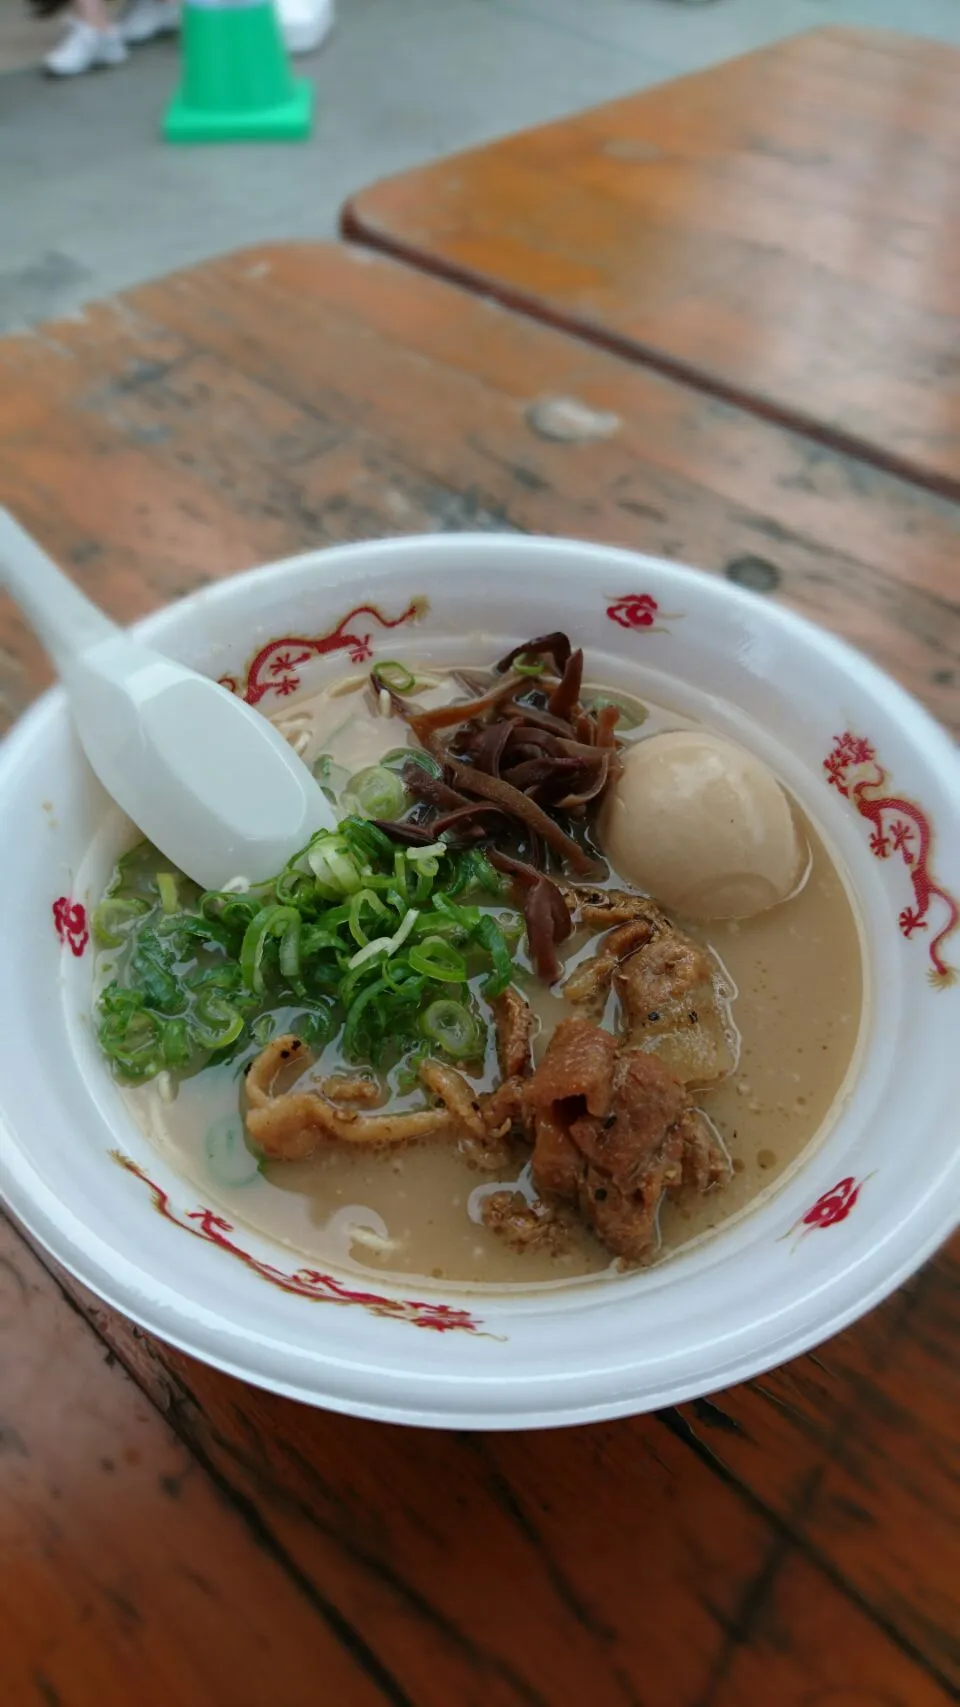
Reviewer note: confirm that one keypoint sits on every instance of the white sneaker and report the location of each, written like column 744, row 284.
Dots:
column 84, row 49
column 142, row 20
column 304, row 24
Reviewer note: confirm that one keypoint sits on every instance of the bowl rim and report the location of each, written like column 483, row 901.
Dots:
column 918, row 727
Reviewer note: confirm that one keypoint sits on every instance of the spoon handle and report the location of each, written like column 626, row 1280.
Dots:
column 62, row 617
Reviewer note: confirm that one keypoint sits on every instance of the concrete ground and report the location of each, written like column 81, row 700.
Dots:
column 92, row 201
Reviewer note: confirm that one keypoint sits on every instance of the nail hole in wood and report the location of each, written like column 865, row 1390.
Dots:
column 753, row 572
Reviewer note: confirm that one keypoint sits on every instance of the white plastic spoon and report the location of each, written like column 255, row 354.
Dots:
column 211, row 783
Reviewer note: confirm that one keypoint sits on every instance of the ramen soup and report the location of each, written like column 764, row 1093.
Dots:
column 574, row 983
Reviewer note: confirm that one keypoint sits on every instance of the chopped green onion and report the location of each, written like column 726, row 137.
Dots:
column 314, row 941
column 167, row 885
column 331, row 776
column 379, row 946
column 314, row 1023
column 426, row 864
column 632, row 713
column 400, row 756
column 511, row 926
column 364, row 841
column 369, row 899
column 263, row 1029
column 282, row 922
column 216, row 1023
column 527, row 665
column 113, row 918
column 474, row 871
column 375, row 793
column 394, row 675
column 175, row 1043
column 386, row 945
column 150, row 969
column 130, row 1037
column 436, row 959
column 333, row 865
column 489, row 935
column 465, row 919
column 408, row 1072
column 451, row 1027
column 228, row 908
column 372, row 966
column 433, row 852
column 295, row 888
column 401, row 935
column 361, row 932
column 356, row 1014
column 183, row 933
column 423, row 884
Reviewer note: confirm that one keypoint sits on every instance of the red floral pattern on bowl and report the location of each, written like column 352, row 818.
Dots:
column 638, row 611
column 276, row 667
column 900, row 829
column 634, row 610
column 302, row 1282
column 834, row 1205
column 70, row 924
column 831, row 1207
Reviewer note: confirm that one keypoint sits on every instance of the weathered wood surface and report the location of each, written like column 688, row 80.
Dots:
column 129, row 1575
column 783, row 229
column 795, row 1540
column 308, row 394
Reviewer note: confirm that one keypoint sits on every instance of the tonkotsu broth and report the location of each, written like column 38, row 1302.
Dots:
column 797, row 971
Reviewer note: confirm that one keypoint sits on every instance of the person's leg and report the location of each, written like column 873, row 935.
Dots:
column 141, row 20
column 90, row 41
column 92, row 12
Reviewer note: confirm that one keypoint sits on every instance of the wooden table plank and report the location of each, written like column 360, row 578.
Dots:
column 783, row 229
column 304, row 395
column 292, row 396
column 649, row 1580
column 128, row 1575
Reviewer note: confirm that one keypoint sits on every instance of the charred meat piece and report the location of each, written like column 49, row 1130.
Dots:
column 600, row 908
column 359, row 1088
column 527, row 1226
column 557, row 1163
column 503, row 1108
column 504, row 1111
column 589, row 985
column 576, row 1071
column 669, row 992
column 615, row 1131
column 456, row 1095
column 290, row 1124
column 673, row 1007
column 514, row 1025
column 482, row 1133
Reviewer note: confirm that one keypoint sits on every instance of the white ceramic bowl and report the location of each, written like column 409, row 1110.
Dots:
column 862, row 1212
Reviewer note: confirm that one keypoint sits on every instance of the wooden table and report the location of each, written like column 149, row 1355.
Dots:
column 180, row 1537
column 783, row 231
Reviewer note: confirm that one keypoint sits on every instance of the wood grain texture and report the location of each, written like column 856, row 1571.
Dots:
column 794, row 1540
column 686, row 1560
column 127, row 1575
column 299, row 396
column 783, row 229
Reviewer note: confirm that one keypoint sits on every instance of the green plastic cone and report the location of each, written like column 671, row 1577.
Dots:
column 236, row 83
